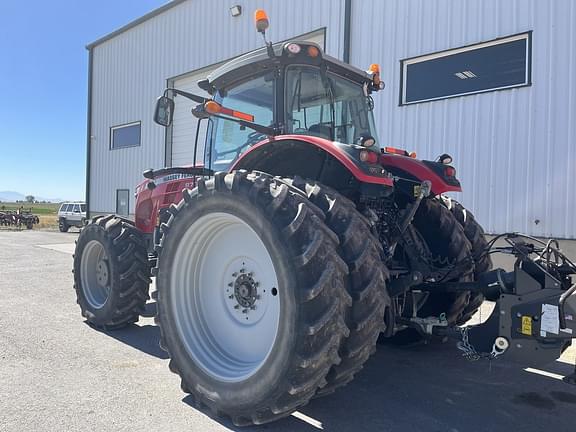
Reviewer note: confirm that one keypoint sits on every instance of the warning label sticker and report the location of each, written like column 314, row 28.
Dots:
column 550, row 320
column 527, row 325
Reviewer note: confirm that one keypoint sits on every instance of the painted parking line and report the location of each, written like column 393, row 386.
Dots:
column 67, row 248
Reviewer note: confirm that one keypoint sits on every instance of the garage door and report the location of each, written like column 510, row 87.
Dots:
column 184, row 126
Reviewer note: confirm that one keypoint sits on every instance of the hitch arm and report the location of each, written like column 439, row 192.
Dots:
column 425, row 189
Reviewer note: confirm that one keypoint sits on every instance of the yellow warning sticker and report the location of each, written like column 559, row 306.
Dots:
column 527, row 325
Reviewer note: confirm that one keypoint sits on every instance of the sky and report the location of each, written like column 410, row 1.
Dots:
column 43, row 89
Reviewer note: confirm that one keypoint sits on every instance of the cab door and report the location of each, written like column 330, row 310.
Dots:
column 226, row 139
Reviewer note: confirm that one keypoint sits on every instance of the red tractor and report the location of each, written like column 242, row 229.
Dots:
column 300, row 240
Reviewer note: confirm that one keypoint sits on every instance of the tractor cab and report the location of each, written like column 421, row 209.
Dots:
column 290, row 88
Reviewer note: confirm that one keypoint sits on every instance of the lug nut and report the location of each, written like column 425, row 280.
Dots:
column 242, row 271
column 230, row 284
column 250, row 274
column 236, row 306
column 231, row 296
column 245, row 311
column 234, row 274
column 257, row 297
column 253, row 307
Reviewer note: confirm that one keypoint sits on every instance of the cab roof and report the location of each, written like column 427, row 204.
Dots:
column 258, row 61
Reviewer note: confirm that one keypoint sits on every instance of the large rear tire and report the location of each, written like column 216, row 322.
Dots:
column 448, row 245
column 251, row 296
column 111, row 272
column 366, row 281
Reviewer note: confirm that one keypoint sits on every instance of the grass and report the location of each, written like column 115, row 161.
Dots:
column 46, row 212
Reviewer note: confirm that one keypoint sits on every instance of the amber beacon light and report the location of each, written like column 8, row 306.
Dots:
column 261, row 20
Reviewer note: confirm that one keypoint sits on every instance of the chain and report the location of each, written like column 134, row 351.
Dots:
column 470, row 353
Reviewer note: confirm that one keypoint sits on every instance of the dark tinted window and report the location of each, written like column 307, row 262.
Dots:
column 122, row 202
column 479, row 68
column 125, row 136
column 82, row 208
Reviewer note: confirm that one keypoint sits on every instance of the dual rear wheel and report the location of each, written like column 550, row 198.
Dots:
column 269, row 294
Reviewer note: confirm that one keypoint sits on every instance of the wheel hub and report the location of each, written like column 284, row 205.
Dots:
column 244, row 295
column 102, row 273
column 245, row 290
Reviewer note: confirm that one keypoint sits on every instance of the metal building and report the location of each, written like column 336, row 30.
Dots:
column 490, row 82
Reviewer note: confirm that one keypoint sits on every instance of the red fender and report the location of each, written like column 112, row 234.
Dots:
column 149, row 202
column 419, row 170
column 326, row 145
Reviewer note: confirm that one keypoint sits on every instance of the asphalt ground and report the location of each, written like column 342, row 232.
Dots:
column 59, row 374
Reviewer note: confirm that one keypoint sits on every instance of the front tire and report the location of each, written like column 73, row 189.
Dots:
column 250, row 297
column 63, row 225
column 111, row 272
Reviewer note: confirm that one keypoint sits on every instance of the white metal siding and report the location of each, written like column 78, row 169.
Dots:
column 131, row 69
column 514, row 149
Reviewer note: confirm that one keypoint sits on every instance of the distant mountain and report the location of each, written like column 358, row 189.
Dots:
column 11, row 196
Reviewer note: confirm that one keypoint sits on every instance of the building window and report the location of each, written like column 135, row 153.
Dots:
column 495, row 65
column 123, row 136
column 122, row 202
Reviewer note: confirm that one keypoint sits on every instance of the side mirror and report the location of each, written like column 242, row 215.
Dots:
column 164, row 111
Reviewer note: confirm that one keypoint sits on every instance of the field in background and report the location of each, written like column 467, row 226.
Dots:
column 46, row 212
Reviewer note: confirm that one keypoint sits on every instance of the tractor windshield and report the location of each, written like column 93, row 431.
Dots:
column 328, row 106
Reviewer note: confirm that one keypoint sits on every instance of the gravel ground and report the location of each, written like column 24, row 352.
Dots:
column 58, row 374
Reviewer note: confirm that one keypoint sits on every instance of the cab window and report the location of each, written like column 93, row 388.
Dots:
column 228, row 139
column 327, row 105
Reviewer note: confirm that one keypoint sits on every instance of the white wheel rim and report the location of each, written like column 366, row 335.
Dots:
column 95, row 274
column 220, row 268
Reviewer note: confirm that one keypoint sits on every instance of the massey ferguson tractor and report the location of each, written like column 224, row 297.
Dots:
column 301, row 240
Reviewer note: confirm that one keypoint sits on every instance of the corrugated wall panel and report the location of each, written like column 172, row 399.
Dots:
column 514, row 149
column 131, row 70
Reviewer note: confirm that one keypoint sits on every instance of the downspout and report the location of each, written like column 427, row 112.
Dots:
column 347, row 28
column 89, row 132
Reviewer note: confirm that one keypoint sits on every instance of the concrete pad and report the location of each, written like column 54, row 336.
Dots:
column 67, row 248
column 59, row 374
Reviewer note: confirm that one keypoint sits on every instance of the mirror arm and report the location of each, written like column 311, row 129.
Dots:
column 254, row 126
column 195, row 98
